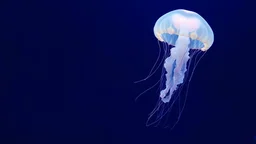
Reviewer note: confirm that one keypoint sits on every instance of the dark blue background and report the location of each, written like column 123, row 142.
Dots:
column 67, row 72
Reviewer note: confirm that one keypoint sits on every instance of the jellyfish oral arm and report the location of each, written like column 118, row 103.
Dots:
column 175, row 66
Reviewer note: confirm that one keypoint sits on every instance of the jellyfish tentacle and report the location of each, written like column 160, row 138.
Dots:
column 175, row 67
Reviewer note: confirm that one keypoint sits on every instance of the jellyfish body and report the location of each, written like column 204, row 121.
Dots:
column 185, row 31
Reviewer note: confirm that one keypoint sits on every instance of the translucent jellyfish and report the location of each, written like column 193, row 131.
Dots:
column 185, row 34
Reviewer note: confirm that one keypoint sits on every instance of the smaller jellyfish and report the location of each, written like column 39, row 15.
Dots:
column 182, row 32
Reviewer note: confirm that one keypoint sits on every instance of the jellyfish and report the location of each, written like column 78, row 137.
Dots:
column 182, row 31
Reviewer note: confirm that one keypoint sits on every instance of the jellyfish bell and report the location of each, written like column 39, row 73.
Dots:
column 184, row 30
column 184, row 23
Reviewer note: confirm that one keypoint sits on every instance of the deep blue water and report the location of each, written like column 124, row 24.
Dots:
column 68, row 67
